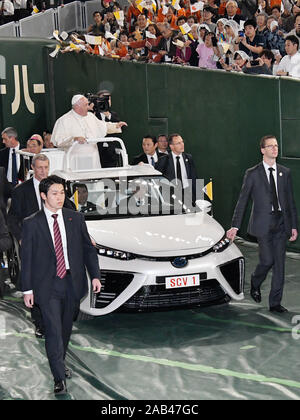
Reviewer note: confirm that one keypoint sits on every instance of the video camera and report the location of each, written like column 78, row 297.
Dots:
column 101, row 104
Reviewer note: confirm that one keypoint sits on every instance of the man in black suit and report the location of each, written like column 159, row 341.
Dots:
column 25, row 201
column 150, row 155
column 84, row 206
column 58, row 250
column 273, row 219
column 9, row 159
column 179, row 167
column 165, row 48
column 5, row 191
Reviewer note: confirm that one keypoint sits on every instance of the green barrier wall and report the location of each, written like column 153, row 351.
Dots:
column 221, row 116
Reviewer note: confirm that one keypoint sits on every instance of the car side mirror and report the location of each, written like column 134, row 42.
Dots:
column 204, row 205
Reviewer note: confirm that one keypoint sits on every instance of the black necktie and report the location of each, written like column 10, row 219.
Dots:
column 178, row 169
column 273, row 191
column 14, row 172
column 152, row 161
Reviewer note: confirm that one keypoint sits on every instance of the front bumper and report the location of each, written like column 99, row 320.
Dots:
column 140, row 284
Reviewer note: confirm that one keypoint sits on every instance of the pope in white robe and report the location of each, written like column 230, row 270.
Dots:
column 79, row 125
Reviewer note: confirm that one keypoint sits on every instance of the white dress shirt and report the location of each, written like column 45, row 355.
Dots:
column 61, row 225
column 185, row 183
column 9, row 168
column 266, row 166
column 36, row 184
column 290, row 64
column 153, row 156
column 8, row 7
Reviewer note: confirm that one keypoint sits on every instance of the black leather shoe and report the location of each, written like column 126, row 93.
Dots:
column 60, row 388
column 278, row 308
column 39, row 333
column 255, row 294
column 68, row 373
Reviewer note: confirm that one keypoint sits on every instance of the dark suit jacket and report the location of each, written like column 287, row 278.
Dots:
column 39, row 260
column 143, row 158
column 4, row 156
column 5, row 190
column 256, row 186
column 163, row 46
column 165, row 165
column 23, row 204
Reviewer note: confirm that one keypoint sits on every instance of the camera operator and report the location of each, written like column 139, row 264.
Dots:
column 102, row 106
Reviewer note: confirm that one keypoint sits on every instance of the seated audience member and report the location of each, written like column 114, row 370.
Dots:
column 35, row 144
column 288, row 23
column 263, row 7
column 152, row 39
column 132, row 13
column 290, row 64
column 232, row 31
column 98, row 27
column 47, row 140
column 231, row 11
column 84, row 206
column 251, row 43
column 150, row 154
column 261, row 21
column 296, row 30
column 264, row 65
column 220, row 31
column 162, row 144
column 207, row 51
column 111, row 24
column 274, row 38
column 240, row 61
column 183, row 51
column 208, row 13
column 193, row 44
column 166, row 49
column 107, row 7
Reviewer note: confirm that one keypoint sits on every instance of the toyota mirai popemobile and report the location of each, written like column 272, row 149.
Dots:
column 155, row 252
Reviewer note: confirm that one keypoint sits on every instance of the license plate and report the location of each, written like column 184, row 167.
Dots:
column 182, row 281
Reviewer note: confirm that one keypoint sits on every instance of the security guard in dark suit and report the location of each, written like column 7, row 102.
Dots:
column 273, row 219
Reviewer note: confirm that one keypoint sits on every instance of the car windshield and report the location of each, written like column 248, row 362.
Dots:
column 129, row 197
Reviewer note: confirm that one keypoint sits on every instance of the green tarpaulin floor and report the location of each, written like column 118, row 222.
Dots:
column 233, row 351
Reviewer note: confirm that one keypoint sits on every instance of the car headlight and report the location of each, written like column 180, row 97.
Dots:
column 221, row 245
column 114, row 253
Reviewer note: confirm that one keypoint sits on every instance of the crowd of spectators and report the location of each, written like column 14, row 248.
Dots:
column 14, row 10
column 251, row 36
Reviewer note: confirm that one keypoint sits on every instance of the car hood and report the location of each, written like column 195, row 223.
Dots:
column 158, row 236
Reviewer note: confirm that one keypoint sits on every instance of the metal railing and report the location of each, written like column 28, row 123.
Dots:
column 76, row 16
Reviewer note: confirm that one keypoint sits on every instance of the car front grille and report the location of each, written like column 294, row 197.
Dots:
column 113, row 283
column 158, row 297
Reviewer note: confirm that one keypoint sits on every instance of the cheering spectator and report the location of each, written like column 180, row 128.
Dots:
column 296, row 30
column 98, row 27
column 206, row 52
column 274, row 38
column 251, row 43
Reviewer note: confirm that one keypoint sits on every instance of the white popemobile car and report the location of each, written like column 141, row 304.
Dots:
column 152, row 257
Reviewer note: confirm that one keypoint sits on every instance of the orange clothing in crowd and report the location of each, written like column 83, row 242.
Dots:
column 274, row 3
column 122, row 51
column 132, row 12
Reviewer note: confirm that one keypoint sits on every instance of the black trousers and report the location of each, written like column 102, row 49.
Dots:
column 272, row 249
column 58, row 314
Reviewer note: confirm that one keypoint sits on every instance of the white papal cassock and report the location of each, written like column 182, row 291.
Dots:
column 72, row 125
